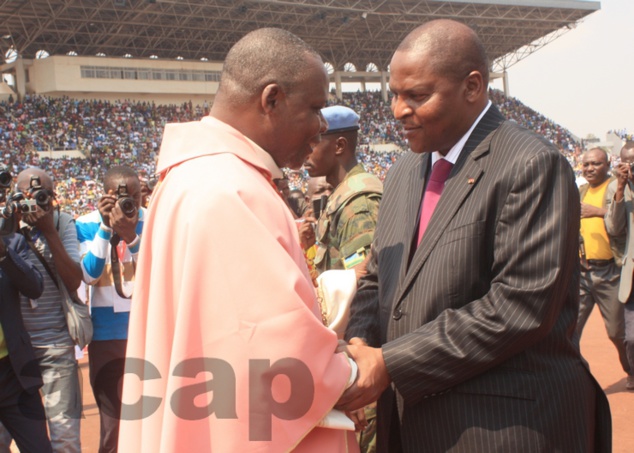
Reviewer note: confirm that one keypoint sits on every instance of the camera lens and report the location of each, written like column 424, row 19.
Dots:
column 127, row 206
column 5, row 179
column 41, row 198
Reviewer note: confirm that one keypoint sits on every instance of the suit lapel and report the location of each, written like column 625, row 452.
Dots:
column 413, row 201
column 462, row 180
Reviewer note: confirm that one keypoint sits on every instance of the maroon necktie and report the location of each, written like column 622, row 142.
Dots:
column 435, row 185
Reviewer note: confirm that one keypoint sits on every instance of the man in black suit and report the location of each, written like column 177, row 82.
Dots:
column 463, row 325
column 21, row 410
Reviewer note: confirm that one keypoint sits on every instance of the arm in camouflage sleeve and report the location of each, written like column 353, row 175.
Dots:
column 355, row 228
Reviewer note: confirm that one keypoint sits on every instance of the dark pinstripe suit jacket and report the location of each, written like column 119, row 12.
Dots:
column 476, row 330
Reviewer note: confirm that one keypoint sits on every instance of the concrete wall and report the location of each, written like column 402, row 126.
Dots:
column 61, row 75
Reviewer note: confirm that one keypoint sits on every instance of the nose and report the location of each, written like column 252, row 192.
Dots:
column 400, row 108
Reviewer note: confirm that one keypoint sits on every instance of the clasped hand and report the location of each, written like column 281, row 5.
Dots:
column 372, row 376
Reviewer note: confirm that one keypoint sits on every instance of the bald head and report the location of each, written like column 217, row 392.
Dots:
column 264, row 56
column 452, row 48
column 24, row 179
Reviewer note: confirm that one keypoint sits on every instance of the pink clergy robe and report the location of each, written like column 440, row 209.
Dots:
column 221, row 288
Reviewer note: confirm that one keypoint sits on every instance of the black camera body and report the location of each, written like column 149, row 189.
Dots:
column 8, row 221
column 39, row 196
column 125, row 202
column 632, row 167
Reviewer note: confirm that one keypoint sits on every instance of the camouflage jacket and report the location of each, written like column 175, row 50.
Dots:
column 346, row 227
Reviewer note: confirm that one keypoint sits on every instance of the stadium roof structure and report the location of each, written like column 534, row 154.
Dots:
column 343, row 31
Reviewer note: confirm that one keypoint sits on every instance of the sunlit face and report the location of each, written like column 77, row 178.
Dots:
column 627, row 156
column 595, row 167
column 300, row 120
column 430, row 107
column 133, row 188
column 282, row 186
column 322, row 160
column 317, row 187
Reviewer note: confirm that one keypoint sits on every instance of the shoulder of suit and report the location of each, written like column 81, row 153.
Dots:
column 525, row 143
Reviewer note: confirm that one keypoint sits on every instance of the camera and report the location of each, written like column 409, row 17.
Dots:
column 631, row 167
column 5, row 178
column 17, row 202
column 39, row 196
column 151, row 182
column 127, row 204
column 26, row 206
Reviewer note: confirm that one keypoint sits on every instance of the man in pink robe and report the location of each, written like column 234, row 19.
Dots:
column 227, row 351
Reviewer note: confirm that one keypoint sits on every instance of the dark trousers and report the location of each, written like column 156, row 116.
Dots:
column 106, row 360
column 22, row 413
column 600, row 285
column 629, row 328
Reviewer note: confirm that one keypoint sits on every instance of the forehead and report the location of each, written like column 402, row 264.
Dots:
column 627, row 154
column 594, row 155
column 24, row 179
column 410, row 68
column 131, row 182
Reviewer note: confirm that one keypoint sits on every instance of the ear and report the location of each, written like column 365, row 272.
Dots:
column 474, row 85
column 270, row 97
column 340, row 145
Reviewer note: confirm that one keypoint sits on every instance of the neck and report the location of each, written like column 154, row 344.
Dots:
column 341, row 172
column 597, row 184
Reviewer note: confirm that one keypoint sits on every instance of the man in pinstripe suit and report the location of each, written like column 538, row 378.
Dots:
column 466, row 333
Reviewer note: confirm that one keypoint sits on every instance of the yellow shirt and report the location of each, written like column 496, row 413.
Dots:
column 3, row 345
column 595, row 238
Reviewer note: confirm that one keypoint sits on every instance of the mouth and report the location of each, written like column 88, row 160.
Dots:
column 410, row 129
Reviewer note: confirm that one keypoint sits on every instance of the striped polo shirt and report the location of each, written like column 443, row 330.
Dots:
column 44, row 318
column 110, row 313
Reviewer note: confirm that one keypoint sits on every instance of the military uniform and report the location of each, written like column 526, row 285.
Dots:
column 346, row 226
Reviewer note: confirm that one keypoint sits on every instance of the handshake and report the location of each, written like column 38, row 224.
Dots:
column 372, row 376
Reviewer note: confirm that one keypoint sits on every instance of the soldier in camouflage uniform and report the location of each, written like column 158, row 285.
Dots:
column 345, row 229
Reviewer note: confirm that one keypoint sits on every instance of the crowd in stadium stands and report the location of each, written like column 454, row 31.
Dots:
column 129, row 133
column 622, row 133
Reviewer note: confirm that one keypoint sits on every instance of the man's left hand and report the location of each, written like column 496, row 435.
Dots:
column 372, row 377
column 587, row 211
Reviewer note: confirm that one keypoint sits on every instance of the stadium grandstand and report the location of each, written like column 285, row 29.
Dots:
column 175, row 48
column 95, row 82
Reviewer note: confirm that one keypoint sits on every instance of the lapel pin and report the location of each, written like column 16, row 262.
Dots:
column 470, row 180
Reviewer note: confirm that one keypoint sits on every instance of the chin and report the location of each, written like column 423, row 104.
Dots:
column 294, row 165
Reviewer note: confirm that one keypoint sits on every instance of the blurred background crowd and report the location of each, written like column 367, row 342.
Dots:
column 129, row 133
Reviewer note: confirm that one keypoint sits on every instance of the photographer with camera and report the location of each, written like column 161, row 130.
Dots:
column 618, row 221
column 109, row 240
column 21, row 409
column 54, row 251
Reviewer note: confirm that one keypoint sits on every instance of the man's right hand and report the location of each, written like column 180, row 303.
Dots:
column 623, row 173
column 105, row 206
column 306, row 232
